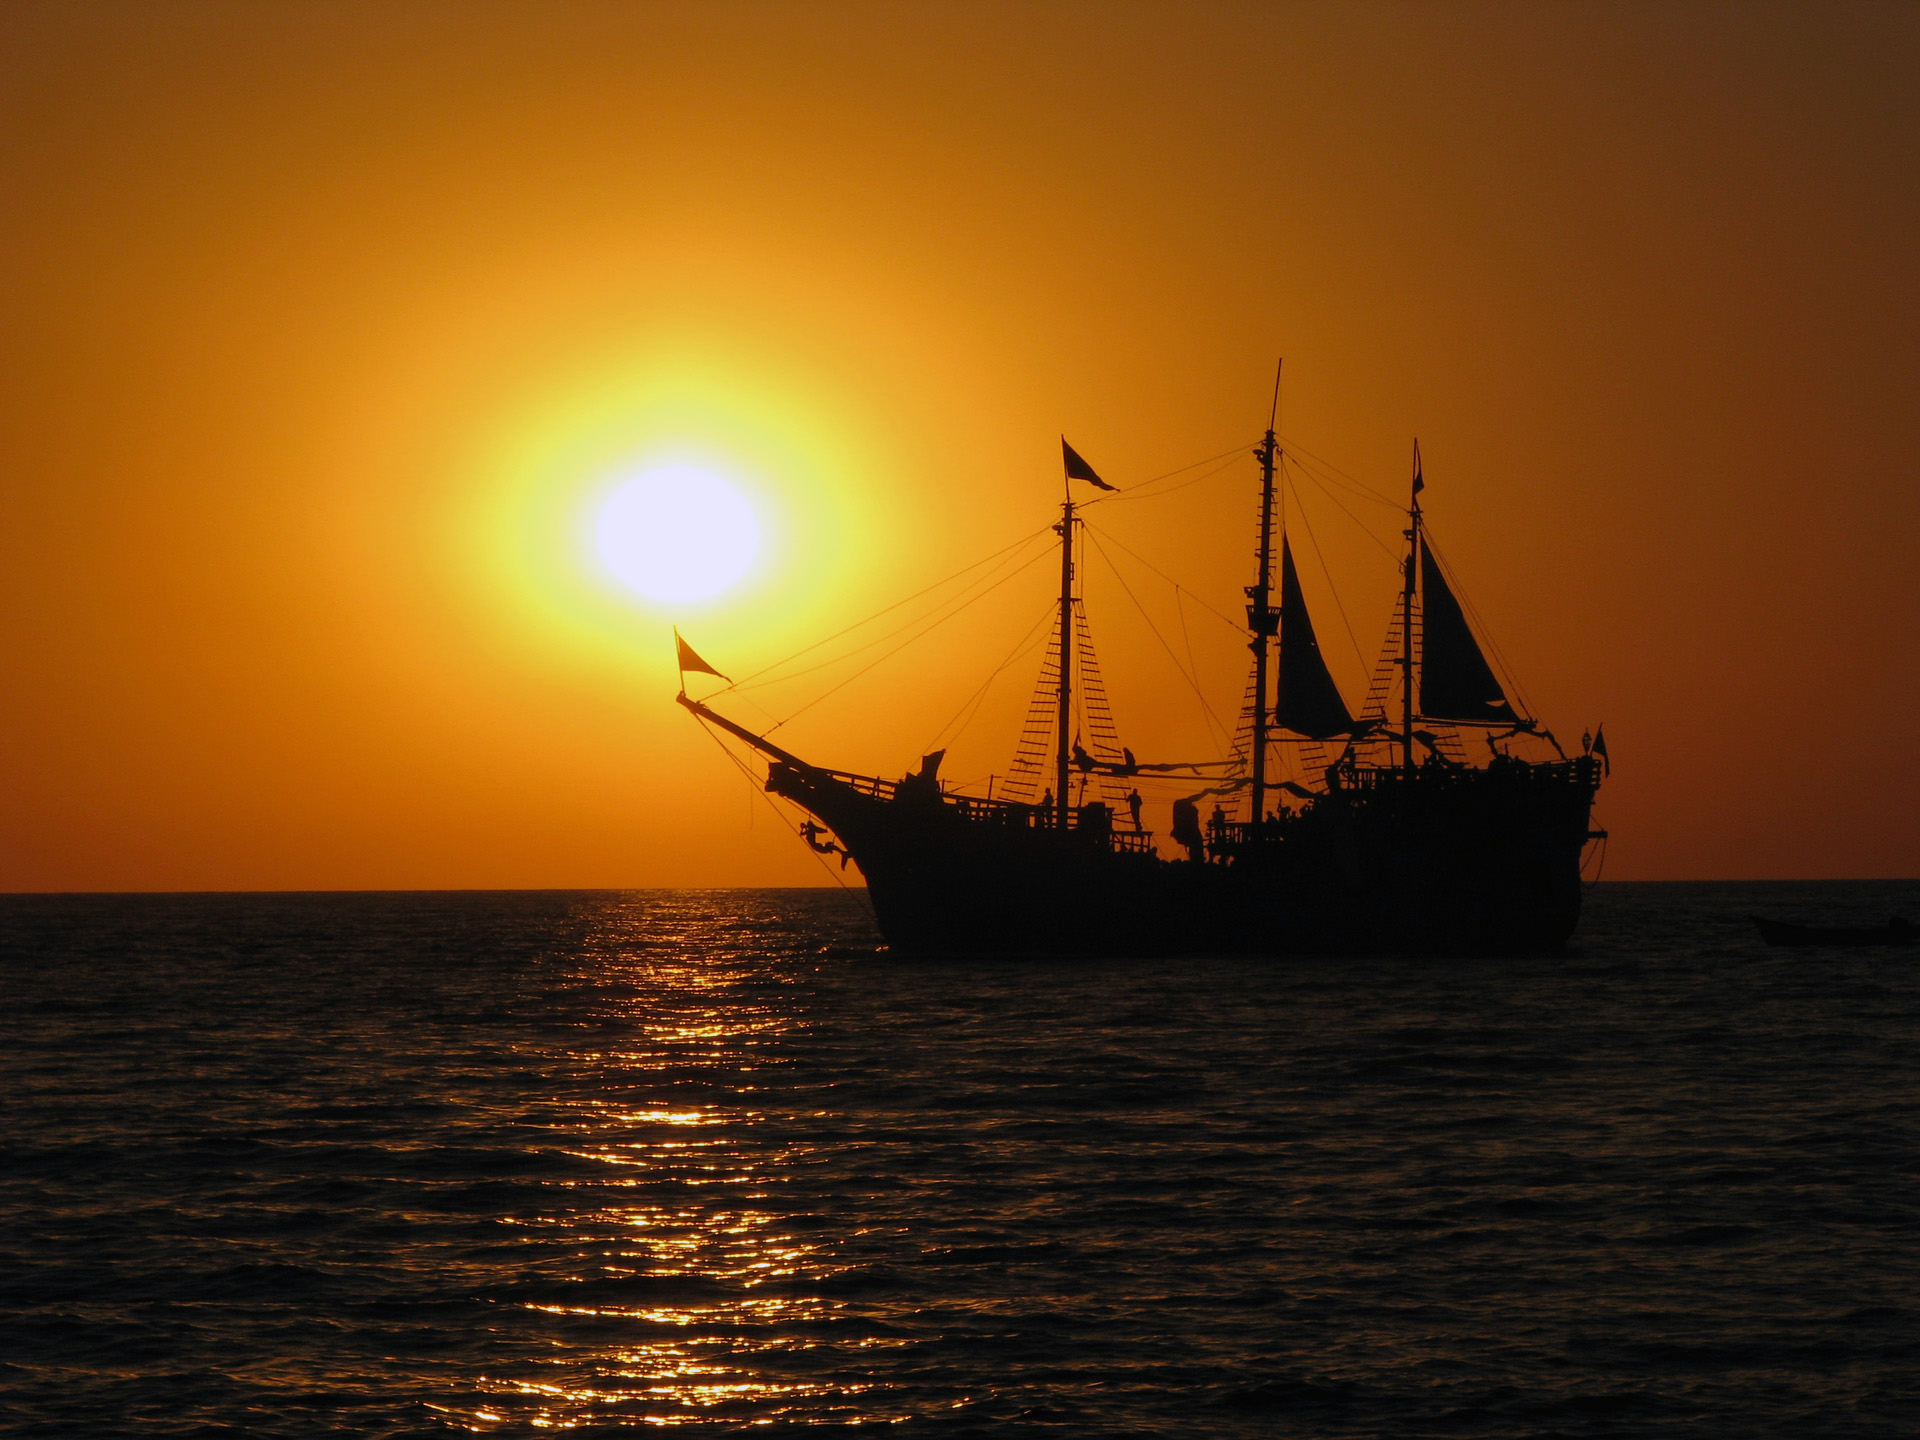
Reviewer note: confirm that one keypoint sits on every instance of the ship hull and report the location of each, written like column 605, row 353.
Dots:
column 1447, row 860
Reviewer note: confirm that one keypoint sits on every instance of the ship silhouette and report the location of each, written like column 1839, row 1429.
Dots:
column 1397, row 832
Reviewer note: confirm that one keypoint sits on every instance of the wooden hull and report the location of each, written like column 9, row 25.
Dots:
column 1447, row 861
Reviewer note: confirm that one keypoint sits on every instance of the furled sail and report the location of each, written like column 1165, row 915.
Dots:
column 1455, row 681
column 1309, row 702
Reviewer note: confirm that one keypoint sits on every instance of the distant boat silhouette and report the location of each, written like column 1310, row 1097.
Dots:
column 1395, row 838
column 1784, row 932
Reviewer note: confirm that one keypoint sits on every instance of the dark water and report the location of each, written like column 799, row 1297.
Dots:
column 397, row 1164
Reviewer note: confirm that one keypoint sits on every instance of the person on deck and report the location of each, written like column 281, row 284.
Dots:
column 1186, row 827
column 1133, row 807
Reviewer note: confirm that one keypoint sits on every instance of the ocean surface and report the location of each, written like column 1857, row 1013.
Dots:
column 279, row 1165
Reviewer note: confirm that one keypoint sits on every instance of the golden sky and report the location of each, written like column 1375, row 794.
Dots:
column 327, row 324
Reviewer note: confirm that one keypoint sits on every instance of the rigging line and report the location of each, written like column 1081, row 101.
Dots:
column 1227, row 620
column 911, row 639
column 1141, row 485
column 1228, row 463
column 987, row 580
column 1359, row 485
column 866, row 903
column 768, row 715
column 1321, row 556
column 1186, row 637
column 1191, row 681
column 882, row 639
column 1361, row 525
column 1128, row 490
column 979, row 696
column 1328, row 474
column 895, row 606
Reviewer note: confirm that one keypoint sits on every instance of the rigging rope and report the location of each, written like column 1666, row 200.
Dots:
column 1186, row 638
column 911, row 639
column 1222, row 467
column 1130, row 492
column 1192, row 682
column 1360, row 525
column 807, row 649
column 978, row 698
column 959, row 603
column 865, row 901
column 1227, row 620
column 1358, row 487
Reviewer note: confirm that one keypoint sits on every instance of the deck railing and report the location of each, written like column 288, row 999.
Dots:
column 865, row 784
column 1222, row 838
column 977, row 810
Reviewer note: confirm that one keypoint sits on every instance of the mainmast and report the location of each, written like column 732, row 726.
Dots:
column 1412, row 532
column 1062, row 749
column 1262, row 618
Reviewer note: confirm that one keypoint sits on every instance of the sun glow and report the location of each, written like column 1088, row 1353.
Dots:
column 617, row 497
column 676, row 532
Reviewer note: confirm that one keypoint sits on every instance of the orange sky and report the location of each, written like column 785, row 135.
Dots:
column 323, row 321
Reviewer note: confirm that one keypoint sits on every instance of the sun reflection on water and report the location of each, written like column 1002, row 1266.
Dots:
column 698, row 1298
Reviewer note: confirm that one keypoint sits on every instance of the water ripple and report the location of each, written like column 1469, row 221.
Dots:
column 396, row 1165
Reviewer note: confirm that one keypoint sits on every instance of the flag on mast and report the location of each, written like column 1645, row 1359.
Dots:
column 1600, row 749
column 1079, row 469
column 691, row 661
column 1419, row 482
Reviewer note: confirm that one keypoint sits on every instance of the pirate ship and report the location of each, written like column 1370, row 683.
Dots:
column 1382, row 831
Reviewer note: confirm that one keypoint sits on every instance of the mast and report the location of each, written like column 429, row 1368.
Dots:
column 1262, row 619
column 1412, row 532
column 1062, row 754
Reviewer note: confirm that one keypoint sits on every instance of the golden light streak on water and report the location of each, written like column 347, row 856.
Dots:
column 678, row 1014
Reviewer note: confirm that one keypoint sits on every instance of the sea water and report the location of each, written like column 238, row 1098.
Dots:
column 404, row 1164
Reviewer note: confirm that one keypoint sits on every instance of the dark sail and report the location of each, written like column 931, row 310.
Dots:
column 1455, row 682
column 1309, row 702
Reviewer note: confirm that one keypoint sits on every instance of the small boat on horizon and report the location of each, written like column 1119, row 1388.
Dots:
column 1896, row 931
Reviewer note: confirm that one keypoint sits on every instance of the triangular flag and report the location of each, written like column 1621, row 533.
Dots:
column 1600, row 749
column 1078, row 469
column 1419, row 482
column 690, row 661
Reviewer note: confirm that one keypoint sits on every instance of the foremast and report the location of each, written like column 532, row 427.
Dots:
column 1412, row 533
column 1262, row 619
column 1063, row 697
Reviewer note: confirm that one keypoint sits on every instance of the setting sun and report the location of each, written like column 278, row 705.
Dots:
column 676, row 532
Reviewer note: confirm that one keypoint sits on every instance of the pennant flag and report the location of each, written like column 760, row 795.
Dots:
column 1600, row 749
column 1078, row 469
column 1419, row 482
column 691, row 661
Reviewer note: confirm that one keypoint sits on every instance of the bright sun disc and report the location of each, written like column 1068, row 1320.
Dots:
column 676, row 533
